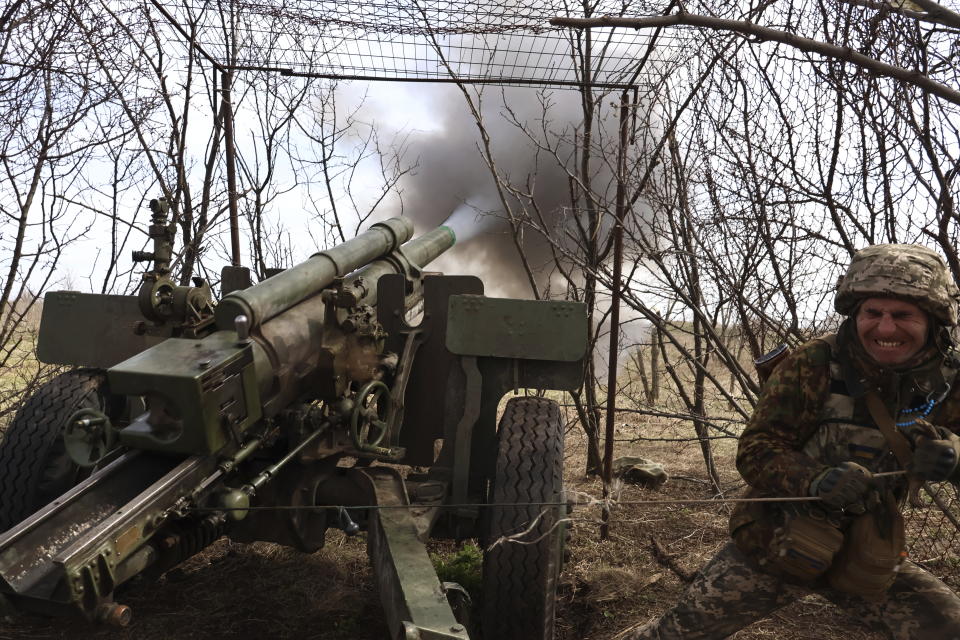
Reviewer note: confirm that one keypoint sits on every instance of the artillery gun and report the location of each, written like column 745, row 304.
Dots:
column 307, row 401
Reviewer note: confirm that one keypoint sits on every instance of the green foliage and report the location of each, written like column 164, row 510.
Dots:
column 462, row 566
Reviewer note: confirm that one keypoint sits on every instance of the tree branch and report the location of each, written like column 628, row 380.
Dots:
column 766, row 33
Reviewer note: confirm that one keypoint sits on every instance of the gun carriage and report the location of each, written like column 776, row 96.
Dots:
column 185, row 420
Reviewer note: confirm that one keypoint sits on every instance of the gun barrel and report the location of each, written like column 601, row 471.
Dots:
column 425, row 249
column 288, row 288
column 420, row 251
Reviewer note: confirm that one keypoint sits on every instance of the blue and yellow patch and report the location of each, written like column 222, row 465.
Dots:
column 864, row 453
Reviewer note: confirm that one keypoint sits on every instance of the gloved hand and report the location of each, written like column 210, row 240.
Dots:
column 846, row 486
column 935, row 458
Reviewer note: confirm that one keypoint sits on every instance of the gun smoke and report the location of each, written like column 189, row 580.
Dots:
column 453, row 185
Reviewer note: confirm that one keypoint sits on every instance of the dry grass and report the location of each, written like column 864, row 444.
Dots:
column 19, row 368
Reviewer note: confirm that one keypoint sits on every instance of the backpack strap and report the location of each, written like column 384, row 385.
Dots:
column 895, row 440
column 898, row 444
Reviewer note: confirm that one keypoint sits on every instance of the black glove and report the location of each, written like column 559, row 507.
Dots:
column 846, row 486
column 935, row 459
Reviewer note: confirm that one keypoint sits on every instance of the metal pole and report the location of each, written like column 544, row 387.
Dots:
column 227, row 108
column 615, row 310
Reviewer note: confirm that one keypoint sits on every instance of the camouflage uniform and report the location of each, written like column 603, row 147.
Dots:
column 810, row 417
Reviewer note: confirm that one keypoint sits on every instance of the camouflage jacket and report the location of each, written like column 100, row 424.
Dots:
column 808, row 419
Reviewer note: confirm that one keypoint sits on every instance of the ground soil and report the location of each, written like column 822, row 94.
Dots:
column 264, row 591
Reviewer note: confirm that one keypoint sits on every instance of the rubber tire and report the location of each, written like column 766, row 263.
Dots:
column 34, row 466
column 520, row 580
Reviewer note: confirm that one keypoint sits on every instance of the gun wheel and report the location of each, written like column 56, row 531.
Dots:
column 89, row 437
column 524, row 543
column 368, row 422
column 35, row 467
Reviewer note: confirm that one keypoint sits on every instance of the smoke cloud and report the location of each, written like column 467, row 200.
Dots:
column 452, row 184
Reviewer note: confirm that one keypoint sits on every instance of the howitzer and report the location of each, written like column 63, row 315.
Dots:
column 264, row 417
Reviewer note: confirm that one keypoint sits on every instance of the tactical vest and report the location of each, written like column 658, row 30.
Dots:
column 842, row 437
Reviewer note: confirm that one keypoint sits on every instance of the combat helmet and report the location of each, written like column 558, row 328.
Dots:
column 908, row 271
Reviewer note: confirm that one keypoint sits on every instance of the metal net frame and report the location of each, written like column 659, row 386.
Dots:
column 933, row 533
column 474, row 42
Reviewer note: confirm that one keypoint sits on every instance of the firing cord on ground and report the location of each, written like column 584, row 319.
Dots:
column 606, row 504
column 585, row 503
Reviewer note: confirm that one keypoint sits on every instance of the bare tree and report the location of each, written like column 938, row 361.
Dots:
column 50, row 103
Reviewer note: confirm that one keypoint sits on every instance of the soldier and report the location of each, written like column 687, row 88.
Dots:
column 819, row 430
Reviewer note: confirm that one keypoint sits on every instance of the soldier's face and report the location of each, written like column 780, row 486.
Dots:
column 891, row 331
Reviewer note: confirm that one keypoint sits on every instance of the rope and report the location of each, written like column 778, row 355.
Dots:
column 589, row 502
column 594, row 502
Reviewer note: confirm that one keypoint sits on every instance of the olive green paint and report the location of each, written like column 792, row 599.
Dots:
column 524, row 329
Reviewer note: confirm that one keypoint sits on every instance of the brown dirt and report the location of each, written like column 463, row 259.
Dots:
column 266, row 591
column 610, row 587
